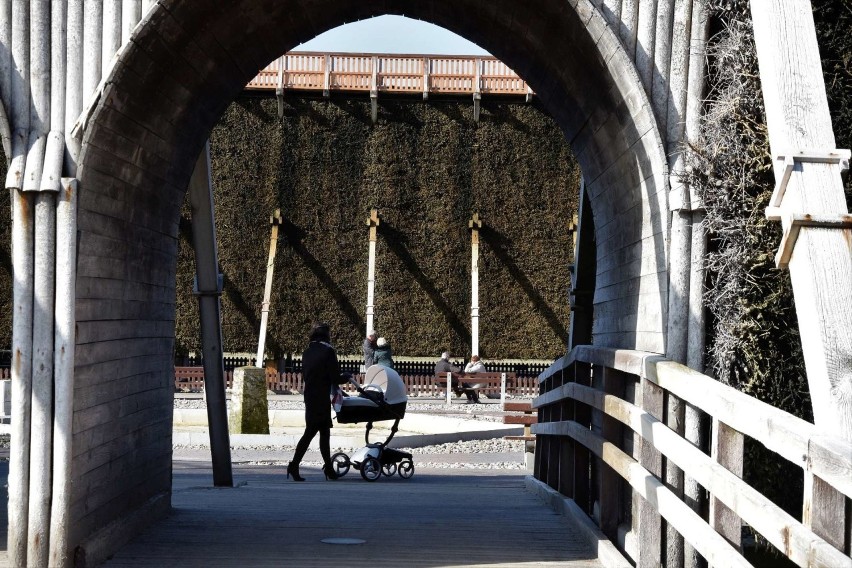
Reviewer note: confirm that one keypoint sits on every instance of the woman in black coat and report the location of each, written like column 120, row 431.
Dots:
column 320, row 371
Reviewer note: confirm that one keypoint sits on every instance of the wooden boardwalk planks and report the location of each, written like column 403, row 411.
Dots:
column 437, row 518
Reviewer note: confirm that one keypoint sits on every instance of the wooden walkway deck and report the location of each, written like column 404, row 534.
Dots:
column 437, row 518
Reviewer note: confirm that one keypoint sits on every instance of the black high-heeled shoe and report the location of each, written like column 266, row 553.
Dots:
column 329, row 472
column 293, row 469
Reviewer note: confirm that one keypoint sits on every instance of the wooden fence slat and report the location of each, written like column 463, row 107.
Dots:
column 712, row 546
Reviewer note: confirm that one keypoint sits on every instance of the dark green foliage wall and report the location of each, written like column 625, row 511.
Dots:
column 427, row 167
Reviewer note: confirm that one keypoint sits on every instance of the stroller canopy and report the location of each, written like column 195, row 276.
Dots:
column 387, row 380
column 382, row 397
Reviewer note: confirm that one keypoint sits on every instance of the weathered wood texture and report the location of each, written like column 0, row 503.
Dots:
column 821, row 264
column 244, row 526
column 820, row 540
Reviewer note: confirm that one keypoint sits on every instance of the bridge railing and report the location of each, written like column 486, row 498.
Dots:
column 603, row 442
column 372, row 73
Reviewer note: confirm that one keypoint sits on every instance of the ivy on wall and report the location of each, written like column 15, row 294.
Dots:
column 427, row 167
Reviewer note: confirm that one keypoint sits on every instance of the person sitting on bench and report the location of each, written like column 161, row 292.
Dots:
column 444, row 366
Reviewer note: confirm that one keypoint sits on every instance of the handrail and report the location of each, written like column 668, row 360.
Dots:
column 389, row 73
column 828, row 459
column 794, row 439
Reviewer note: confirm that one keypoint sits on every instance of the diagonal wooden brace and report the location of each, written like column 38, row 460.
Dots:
column 794, row 222
column 773, row 212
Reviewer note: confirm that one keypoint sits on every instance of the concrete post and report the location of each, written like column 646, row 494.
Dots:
column 249, row 410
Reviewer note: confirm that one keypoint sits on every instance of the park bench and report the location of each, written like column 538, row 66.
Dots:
column 522, row 413
column 480, row 382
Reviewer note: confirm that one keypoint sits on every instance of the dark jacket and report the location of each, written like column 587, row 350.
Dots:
column 383, row 356
column 444, row 366
column 320, row 370
column 369, row 353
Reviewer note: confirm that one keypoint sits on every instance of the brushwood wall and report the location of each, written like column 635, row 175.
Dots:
column 427, row 167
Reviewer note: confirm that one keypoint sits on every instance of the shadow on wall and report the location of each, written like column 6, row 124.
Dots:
column 395, row 241
column 498, row 243
column 295, row 236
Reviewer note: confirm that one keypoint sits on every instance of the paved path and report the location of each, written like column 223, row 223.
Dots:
column 436, row 518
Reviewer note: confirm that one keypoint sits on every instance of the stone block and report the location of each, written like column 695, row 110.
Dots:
column 249, row 409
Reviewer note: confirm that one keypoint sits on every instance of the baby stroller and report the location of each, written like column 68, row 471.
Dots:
column 381, row 398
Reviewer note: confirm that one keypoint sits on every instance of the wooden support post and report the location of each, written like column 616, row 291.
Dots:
column 798, row 121
column 326, row 80
column 209, row 290
column 674, row 543
column 539, row 466
column 566, row 444
column 477, row 92
column 823, row 512
column 583, row 417
column 475, row 224
column 583, row 273
column 373, row 222
column 727, row 450
column 609, row 493
column 374, row 89
column 553, row 414
column 425, row 78
column 275, row 220
column 647, row 523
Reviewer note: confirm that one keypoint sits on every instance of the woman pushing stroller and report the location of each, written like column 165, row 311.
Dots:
column 320, row 370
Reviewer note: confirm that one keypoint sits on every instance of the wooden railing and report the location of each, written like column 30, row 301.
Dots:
column 426, row 74
column 602, row 437
column 191, row 379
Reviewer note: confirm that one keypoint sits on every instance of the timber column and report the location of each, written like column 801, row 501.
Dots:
column 372, row 222
column 275, row 220
column 475, row 224
column 810, row 203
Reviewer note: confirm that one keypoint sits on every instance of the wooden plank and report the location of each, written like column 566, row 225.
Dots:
column 727, row 450
column 647, row 524
column 713, row 547
column 609, row 494
column 788, row 436
column 778, row 527
column 820, row 266
column 824, row 511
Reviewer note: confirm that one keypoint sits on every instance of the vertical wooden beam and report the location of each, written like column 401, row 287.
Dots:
column 798, row 119
column 373, row 222
column 647, row 523
column 553, row 443
column 821, row 511
column 727, row 450
column 475, row 224
column 583, row 417
column 275, row 220
column 566, row 444
column 209, row 290
column 609, row 494
column 582, row 274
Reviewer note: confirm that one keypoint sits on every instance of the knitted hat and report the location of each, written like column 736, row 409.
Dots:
column 381, row 342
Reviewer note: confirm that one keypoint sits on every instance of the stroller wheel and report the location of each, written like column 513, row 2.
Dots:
column 406, row 469
column 389, row 469
column 371, row 469
column 340, row 463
